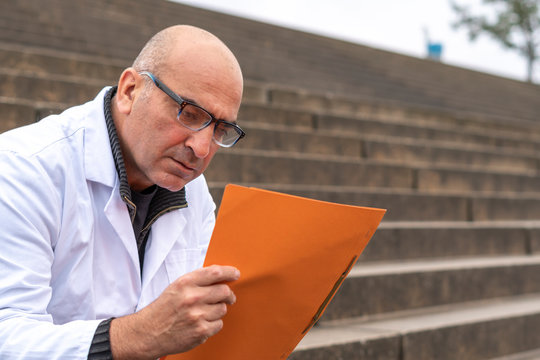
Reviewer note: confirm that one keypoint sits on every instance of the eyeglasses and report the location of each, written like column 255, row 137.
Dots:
column 195, row 118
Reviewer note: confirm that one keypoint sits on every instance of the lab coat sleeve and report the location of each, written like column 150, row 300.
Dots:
column 30, row 214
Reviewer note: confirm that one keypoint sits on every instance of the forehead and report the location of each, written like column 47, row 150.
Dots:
column 209, row 83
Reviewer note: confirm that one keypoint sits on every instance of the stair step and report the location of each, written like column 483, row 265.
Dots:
column 436, row 132
column 424, row 153
column 15, row 115
column 19, row 112
column 382, row 108
column 525, row 355
column 251, row 165
column 43, row 61
column 396, row 240
column 410, row 204
column 71, row 90
column 387, row 149
column 410, row 129
column 476, row 330
column 377, row 288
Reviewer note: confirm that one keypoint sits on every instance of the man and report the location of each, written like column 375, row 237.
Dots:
column 106, row 217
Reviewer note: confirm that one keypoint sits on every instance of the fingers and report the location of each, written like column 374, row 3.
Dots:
column 206, row 295
column 215, row 274
column 214, row 312
column 211, row 328
column 220, row 293
column 209, row 284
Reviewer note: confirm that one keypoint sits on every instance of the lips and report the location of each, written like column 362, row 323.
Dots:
column 187, row 166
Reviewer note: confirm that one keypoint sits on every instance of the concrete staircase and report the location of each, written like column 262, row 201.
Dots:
column 454, row 270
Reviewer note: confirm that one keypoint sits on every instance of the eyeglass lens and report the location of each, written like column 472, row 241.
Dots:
column 196, row 119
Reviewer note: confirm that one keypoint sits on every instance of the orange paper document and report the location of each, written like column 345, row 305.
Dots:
column 293, row 254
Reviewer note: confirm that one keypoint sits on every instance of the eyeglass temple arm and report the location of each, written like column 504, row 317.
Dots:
column 164, row 87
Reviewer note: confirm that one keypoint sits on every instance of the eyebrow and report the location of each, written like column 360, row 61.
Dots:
column 189, row 100
column 196, row 103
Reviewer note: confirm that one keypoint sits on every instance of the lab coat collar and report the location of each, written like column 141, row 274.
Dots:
column 98, row 158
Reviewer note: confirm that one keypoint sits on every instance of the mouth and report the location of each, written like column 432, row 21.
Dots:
column 186, row 166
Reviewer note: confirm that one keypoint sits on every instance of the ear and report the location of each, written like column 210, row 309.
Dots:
column 129, row 85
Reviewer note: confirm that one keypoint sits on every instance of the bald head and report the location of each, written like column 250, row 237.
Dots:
column 191, row 55
column 180, row 42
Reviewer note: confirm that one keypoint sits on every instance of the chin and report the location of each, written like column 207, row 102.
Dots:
column 175, row 185
column 174, row 181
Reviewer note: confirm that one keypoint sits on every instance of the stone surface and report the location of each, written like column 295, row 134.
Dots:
column 376, row 288
column 478, row 330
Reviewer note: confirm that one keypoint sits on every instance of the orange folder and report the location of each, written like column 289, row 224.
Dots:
column 293, row 253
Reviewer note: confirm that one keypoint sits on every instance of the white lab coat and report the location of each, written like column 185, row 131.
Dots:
column 68, row 255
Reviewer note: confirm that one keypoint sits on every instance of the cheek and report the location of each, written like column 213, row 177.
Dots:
column 150, row 145
column 165, row 134
column 172, row 140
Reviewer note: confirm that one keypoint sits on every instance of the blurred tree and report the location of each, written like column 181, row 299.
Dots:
column 516, row 25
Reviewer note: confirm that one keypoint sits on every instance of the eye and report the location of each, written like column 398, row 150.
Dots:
column 189, row 114
column 192, row 116
column 220, row 131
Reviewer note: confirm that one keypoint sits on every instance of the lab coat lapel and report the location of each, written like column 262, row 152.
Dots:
column 118, row 216
column 165, row 232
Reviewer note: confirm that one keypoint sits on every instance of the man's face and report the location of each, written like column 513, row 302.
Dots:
column 162, row 151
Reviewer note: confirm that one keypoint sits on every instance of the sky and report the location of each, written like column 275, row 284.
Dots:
column 395, row 25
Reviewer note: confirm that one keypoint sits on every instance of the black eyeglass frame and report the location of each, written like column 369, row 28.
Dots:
column 182, row 103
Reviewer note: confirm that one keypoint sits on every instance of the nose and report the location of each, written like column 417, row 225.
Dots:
column 201, row 141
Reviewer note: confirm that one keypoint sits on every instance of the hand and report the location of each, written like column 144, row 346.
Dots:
column 186, row 314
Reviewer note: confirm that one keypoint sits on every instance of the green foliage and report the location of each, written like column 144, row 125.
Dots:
column 515, row 24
